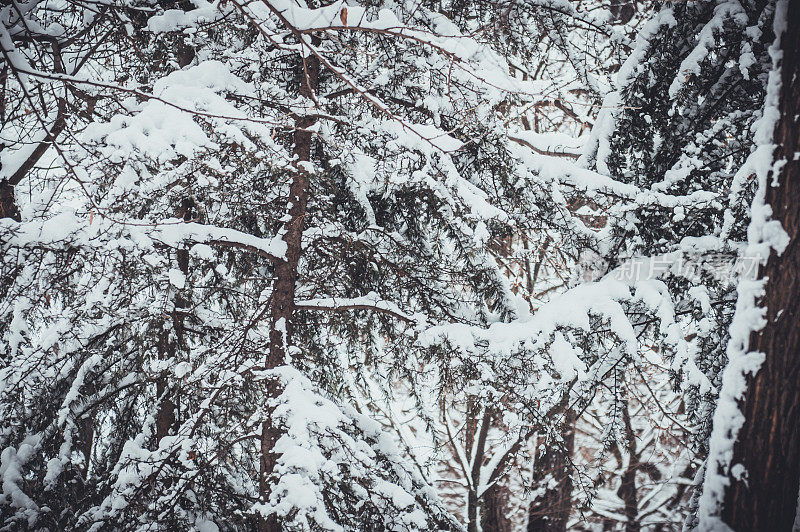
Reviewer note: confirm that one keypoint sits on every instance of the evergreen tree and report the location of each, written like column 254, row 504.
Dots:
column 681, row 128
column 257, row 207
column 239, row 237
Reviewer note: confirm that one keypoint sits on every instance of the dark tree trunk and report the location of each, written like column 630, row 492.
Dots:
column 768, row 445
column 165, row 417
column 627, row 490
column 285, row 280
column 8, row 204
column 473, row 501
column 472, row 511
column 172, row 339
column 550, row 511
column 495, row 510
column 85, row 442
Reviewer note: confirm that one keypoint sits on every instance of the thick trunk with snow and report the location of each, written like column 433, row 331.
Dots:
column 768, row 444
column 285, row 278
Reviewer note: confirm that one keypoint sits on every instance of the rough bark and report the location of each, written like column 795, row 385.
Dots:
column 768, row 444
column 550, row 511
column 282, row 303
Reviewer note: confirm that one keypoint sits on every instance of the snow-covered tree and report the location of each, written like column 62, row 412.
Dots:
column 683, row 126
column 234, row 214
column 287, row 265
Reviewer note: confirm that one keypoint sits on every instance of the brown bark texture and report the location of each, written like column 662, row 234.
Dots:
column 495, row 510
column 768, row 444
column 285, row 280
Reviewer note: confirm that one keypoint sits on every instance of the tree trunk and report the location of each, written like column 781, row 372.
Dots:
column 768, row 445
column 285, row 280
column 495, row 509
column 472, row 511
column 165, row 416
column 85, row 442
column 550, row 511
column 479, row 446
column 172, row 339
column 627, row 490
column 8, row 204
